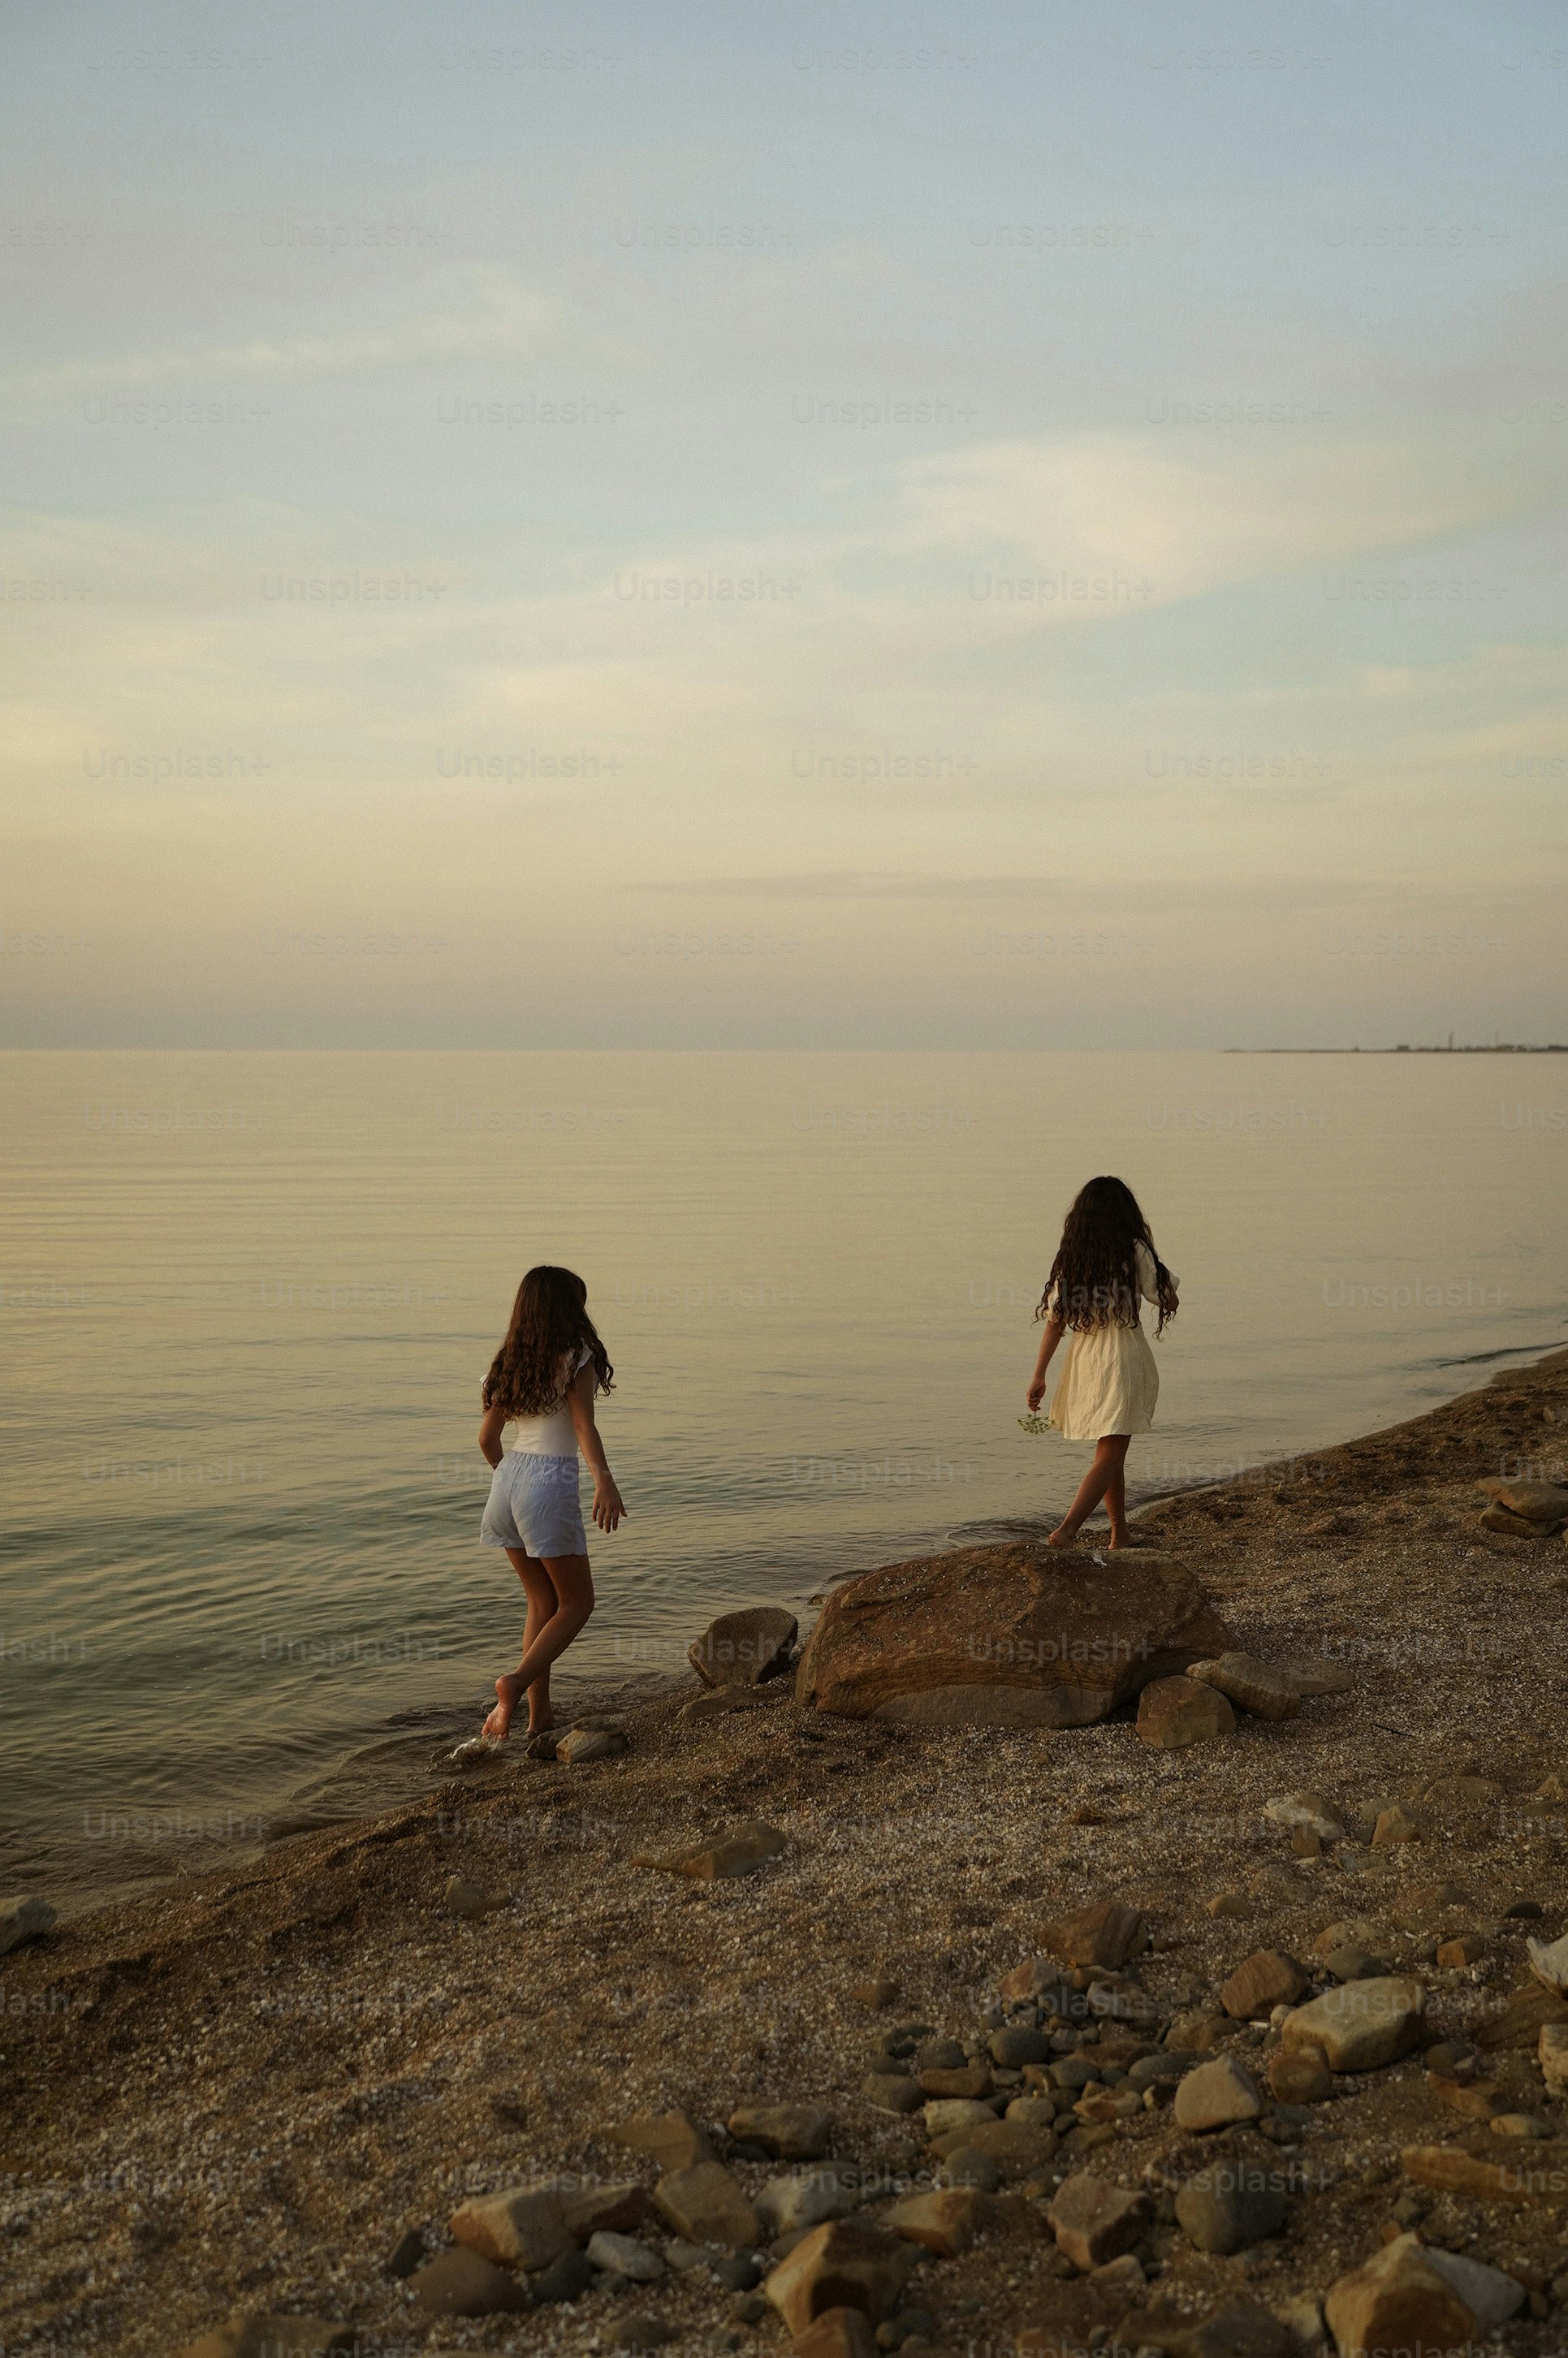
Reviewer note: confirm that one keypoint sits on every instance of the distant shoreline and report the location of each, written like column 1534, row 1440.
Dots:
column 1404, row 1048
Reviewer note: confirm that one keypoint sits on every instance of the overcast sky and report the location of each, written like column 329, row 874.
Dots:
column 770, row 523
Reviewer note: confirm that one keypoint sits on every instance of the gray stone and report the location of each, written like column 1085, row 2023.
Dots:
column 1094, row 2221
column 805, row 2198
column 1232, row 2204
column 1217, row 2095
column 566, row 2280
column 625, row 2255
column 406, row 2253
column 23, row 1919
column 742, row 1647
column 893, row 2091
column 578, row 1746
column 939, row 2055
column 1362, row 2025
column 461, row 2283
column 966, row 2166
column 1019, row 2046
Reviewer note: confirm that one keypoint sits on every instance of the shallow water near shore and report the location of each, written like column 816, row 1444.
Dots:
column 249, row 1299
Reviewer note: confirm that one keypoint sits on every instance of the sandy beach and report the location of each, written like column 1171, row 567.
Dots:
column 242, row 2094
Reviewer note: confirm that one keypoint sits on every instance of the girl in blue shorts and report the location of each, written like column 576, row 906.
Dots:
column 538, row 1412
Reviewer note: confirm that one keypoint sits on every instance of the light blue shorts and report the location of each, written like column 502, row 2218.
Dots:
column 534, row 1504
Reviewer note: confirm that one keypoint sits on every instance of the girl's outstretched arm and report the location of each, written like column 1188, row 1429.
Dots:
column 1055, row 1330
column 607, row 1509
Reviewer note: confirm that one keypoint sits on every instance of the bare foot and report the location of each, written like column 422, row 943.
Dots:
column 509, row 1694
column 541, row 1726
column 1062, row 1537
column 1120, row 1541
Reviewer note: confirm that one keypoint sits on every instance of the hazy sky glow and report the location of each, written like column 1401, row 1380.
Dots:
column 778, row 524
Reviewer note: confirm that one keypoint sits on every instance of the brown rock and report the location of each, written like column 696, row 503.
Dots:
column 1465, row 1793
column 1305, row 1844
column 1173, row 1713
column 1027, row 1980
column 739, row 1851
column 1361, row 2026
column 845, row 2262
column 461, row 2283
column 876, row 1994
column 1228, row 1905
column 1215, row 2095
column 1299, row 2076
column 522, row 2228
column 1395, row 1825
column 1544, row 1504
column 1196, row 2033
column 1519, row 2023
column 837, row 2333
column 1010, row 1636
column 789, row 2132
column 1017, row 2147
column 1472, row 2099
column 946, row 2222
column 1241, row 2330
column 1509, row 1525
column 1551, row 2053
column 1464, row 1951
column 1454, row 2172
column 1397, row 2301
column 1251, row 1685
column 703, row 2204
column 1105, row 1934
column 672, row 2139
column 462, row 1896
column 1268, row 1978
column 973, row 2080
column 614, row 2210
column 250, row 2335
column 1094, row 2221
column 742, row 1649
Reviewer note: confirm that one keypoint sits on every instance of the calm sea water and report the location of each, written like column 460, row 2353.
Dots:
column 247, row 1300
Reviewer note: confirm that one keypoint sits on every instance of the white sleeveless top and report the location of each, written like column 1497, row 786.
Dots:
column 551, row 1433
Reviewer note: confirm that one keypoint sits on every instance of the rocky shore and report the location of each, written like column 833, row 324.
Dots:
column 1211, row 2008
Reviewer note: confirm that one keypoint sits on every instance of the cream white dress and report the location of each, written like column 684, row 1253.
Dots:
column 1109, row 1382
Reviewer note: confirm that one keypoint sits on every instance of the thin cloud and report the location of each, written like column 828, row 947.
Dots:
column 503, row 321
column 870, row 884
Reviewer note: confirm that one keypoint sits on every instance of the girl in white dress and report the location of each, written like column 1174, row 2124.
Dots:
column 1105, row 1265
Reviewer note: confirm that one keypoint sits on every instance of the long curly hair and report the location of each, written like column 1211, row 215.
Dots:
column 549, row 1327
column 1094, row 1273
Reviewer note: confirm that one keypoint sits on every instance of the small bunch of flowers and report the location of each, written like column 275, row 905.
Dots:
column 1034, row 1423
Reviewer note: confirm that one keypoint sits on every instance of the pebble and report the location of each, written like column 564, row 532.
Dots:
column 459, row 2283
column 23, row 1919
column 1523, row 2124
column 406, row 2253
column 893, row 2091
column 462, row 1896
column 1217, row 2095
column 566, row 2280
column 627, row 2256
column 1018, row 2047
column 1233, row 2204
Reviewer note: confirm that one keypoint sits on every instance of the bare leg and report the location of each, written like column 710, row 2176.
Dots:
column 1110, row 1457
column 1116, row 1498
column 540, row 1592
column 572, row 1584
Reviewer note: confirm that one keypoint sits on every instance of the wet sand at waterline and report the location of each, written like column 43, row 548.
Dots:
column 241, row 2093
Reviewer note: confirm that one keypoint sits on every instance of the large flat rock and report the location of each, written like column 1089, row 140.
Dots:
column 1018, row 1635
